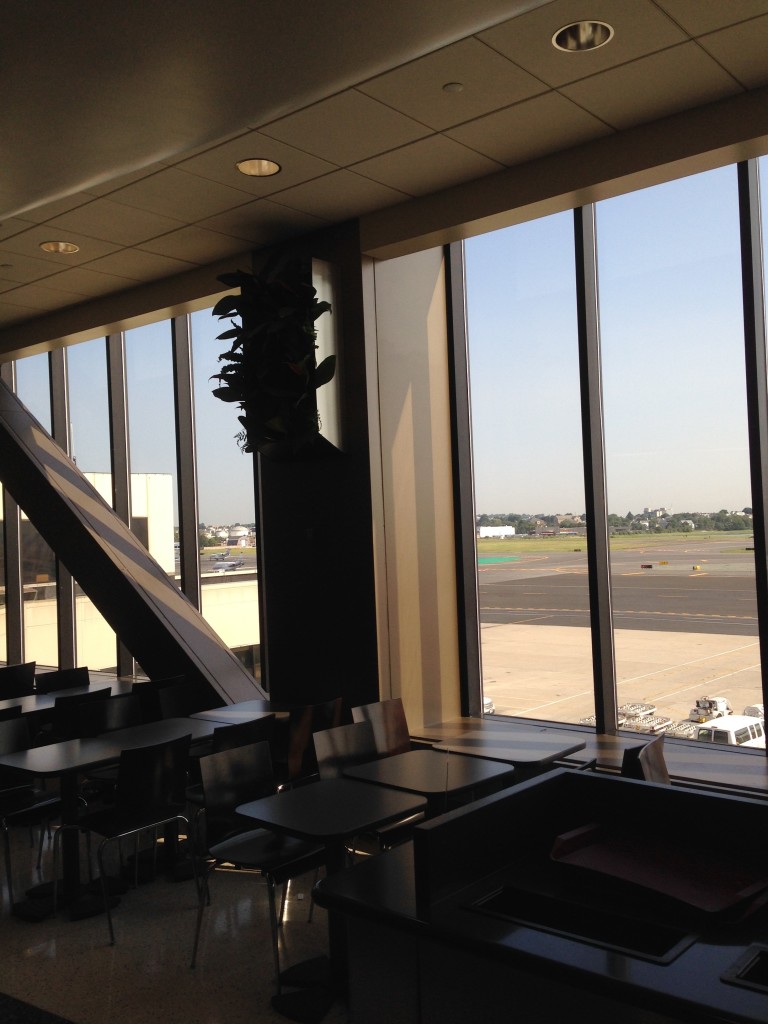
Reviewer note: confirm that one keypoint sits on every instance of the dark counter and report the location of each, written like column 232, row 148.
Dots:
column 475, row 919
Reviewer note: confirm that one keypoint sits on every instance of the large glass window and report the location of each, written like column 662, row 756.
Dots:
column 682, row 553
column 226, row 498
column 152, row 434
column 37, row 560
column 89, row 447
column 529, row 483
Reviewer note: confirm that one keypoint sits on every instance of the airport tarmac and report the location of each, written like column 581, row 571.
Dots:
column 543, row 671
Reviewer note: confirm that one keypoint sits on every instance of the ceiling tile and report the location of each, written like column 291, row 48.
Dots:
column 104, row 218
column 427, row 165
column 27, row 243
column 742, row 50
column 88, row 282
column 219, row 164
column 339, row 196
column 194, row 244
column 700, row 16
column 13, row 314
column 120, row 181
column 22, row 269
column 54, row 209
column 640, row 28
column 261, row 221
column 489, row 81
column 40, row 297
column 139, row 265
column 326, row 128
column 530, row 130
column 13, row 226
column 175, row 193
column 653, row 87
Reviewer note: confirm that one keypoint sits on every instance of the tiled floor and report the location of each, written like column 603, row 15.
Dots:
column 69, row 968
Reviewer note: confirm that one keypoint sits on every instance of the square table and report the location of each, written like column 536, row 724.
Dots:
column 233, row 714
column 530, row 750
column 434, row 774
column 66, row 760
column 330, row 812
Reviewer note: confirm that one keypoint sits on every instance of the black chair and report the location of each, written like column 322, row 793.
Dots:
column 21, row 805
column 94, row 718
column 227, row 737
column 62, row 679
column 65, row 719
column 120, row 712
column 646, row 762
column 293, row 750
column 343, row 747
column 14, row 712
column 149, row 795
column 232, row 777
column 169, row 697
column 17, row 680
column 390, row 727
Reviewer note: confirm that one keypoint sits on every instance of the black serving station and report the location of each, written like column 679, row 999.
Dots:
column 575, row 895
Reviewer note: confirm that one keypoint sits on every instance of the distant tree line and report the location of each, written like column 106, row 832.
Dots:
column 680, row 522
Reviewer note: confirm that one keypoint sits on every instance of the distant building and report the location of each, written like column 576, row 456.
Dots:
column 495, row 531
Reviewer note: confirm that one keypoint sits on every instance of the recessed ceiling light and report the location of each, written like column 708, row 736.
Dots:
column 582, row 35
column 257, row 167
column 61, row 247
column 453, row 87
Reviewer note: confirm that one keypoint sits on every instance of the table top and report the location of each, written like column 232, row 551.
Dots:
column 331, row 811
column 532, row 747
column 430, row 772
column 46, row 701
column 76, row 755
column 232, row 714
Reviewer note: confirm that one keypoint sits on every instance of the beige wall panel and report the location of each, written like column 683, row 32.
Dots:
column 416, row 486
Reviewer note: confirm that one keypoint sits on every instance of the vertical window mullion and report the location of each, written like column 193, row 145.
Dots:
column 598, row 559
column 65, row 587
column 752, row 270
column 119, row 455
column 14, row 591
column 186, row 460
column 463, row 485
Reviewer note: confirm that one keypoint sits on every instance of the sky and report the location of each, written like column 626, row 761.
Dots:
column 672, row 351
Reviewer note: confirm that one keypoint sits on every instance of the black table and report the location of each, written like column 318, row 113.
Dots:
column 330, row 812
column 435, row 775
column 234, row 714
column 530, row 750
column 68, row 759
column 41, row 702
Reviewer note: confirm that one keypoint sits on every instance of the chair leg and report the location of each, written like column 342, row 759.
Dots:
column 105, row 889
column 8, row 870
column 311, row 901
column 202, row 893
column 273, row 921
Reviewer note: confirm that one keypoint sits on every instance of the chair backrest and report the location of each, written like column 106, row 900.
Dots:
column 66, row 721
column 343, row 747
column 62, row 679
column 154, row 776
column 232, row 777
column 97, row 717
column 17, row 680
column 225, row 737
column 390, row 727
column 646, row 762
column 303, row 723
column 13, row 712
column 15, row 735
column 149, row 694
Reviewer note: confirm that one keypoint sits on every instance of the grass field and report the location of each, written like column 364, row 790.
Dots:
column 731, row 541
